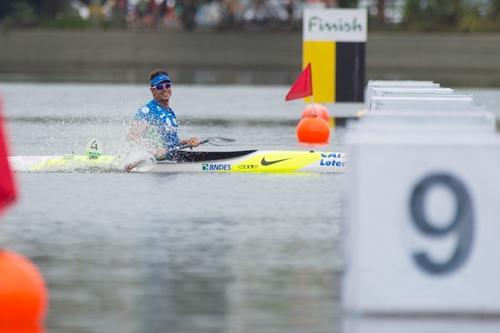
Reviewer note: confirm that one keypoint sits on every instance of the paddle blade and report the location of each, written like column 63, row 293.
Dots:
column 219, row 141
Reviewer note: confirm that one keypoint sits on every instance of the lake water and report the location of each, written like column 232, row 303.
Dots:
column 177, row 252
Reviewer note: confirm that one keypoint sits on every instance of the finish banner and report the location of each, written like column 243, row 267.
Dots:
column 334, row 43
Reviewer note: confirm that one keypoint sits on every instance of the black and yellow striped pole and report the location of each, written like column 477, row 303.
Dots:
column 334, row 43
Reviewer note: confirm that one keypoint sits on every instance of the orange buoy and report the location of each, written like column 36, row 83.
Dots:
column 318, row 110
column 313, row 130
column 23, row 296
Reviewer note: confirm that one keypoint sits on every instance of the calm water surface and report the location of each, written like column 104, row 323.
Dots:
column 176, row 252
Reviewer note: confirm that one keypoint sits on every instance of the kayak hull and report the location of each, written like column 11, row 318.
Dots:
column 246, row 161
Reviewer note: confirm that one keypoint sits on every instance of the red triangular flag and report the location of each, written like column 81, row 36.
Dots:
column 7, row 186
column 302, row 87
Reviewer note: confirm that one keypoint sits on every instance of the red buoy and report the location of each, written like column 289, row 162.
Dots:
column 23, row 296
column 313, row 130
column 318, row 110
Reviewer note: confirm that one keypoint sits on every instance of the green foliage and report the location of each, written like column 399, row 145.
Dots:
column 65, row 21
column 470, row 19
column 348, row 3
column 22, row 15
column 432, row 14
column 54, row 14
column 494, row 9
column 451, row 15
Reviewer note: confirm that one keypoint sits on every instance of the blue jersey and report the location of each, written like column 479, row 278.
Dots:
column 162, row 122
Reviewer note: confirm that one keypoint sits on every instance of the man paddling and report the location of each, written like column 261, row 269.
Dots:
column 155, row 125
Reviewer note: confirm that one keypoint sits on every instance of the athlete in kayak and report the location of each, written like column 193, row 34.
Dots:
column 155, row 125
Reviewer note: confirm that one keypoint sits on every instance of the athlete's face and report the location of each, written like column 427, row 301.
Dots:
column 162, row 91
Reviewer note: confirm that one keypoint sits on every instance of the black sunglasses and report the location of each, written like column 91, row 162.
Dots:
column 162, row 86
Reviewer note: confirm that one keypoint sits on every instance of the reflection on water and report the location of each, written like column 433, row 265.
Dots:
column 190, row 253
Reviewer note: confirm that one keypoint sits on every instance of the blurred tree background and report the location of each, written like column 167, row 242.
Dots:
column 394, row 15
column 459, row 15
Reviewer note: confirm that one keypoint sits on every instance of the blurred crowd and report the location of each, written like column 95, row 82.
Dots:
column 188, row 14
column 163, row 14
column 415, row 15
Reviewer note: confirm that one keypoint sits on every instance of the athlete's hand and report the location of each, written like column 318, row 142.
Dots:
column 193, row 142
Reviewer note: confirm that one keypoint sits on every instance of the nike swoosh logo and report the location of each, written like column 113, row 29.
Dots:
column 264, row 162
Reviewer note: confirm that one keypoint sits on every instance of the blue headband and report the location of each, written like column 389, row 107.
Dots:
column 159, row 79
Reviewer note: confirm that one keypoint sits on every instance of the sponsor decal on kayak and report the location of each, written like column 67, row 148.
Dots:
column 331, row 163
column 333, row 155
column 265, row 162
column 248, row 166
column 332, row 160
column 215, row 167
